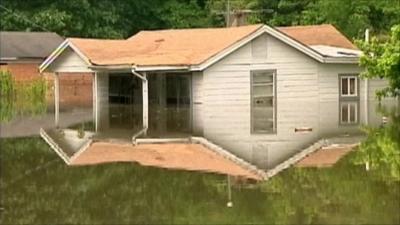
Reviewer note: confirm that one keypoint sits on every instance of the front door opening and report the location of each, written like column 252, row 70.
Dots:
column 169, row 105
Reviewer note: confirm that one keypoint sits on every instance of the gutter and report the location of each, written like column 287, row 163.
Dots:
column 341, row 60
column 142, row 77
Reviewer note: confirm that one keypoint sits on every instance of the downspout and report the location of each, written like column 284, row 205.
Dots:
column 145, row 102
column 366, row 87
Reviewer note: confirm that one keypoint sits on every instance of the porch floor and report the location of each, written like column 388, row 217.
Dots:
column 182, row 156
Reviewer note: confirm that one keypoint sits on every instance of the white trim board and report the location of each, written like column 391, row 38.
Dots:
column 58, row 51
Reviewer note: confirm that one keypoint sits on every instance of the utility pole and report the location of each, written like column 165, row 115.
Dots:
column 228, row 13
column 237, row 17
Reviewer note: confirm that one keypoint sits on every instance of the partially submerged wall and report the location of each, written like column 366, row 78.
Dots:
column 227, row 101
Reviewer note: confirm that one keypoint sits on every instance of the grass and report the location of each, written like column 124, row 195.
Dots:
column 38, row 188
column 21, row 98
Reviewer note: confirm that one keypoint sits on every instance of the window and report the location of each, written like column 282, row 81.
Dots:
column 348, row 86
column 349, row 99
column 349, row 112
column 263, row 101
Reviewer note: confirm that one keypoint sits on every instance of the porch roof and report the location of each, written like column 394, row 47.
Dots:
column 174, row 156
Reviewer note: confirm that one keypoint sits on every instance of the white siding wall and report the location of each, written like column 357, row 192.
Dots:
column 226, row 96
column 69, row 62
column 307, row 97
column 197, row 103
column 329, row 99
column 102, row 108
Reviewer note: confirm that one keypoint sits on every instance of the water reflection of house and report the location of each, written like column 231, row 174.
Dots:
column 262, row 93
column 21, row 53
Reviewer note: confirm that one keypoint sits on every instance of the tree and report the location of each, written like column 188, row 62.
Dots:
column 102, row 18
column 185, row 14
column 383, row 60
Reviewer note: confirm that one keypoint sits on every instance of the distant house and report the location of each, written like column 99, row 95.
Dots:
column 21, row 53
column 260, row 92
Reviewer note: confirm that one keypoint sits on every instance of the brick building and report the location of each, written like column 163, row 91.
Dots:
column 21, row 53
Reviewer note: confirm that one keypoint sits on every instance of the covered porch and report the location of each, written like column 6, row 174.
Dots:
column 143, row 105
column 131, row 105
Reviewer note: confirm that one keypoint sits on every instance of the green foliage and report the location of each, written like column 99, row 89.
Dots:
column 184, row 14
column 21, row 98
column 284, row 12
column 123, row 18
column 352, row 17
column 381, row 149
column 103, row 18
column 382, row 59
column 6, row 94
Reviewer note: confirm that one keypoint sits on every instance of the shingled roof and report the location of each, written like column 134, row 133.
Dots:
column 17, row 45
column 325, row 34
column 163, row 47
column 192, row 47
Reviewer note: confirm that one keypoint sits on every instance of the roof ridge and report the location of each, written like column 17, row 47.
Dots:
column 28, row 32
column 202, row 28
column 306, row 26
column 93, row 39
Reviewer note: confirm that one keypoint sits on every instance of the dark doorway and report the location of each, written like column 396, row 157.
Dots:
column 125, row 101
column 169, row 105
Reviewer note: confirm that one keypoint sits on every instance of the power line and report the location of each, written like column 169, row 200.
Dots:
column 23, row 18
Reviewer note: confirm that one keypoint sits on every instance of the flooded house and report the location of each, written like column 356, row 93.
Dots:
column 260, row 93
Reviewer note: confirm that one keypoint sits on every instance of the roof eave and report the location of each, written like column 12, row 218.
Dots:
column 264, row 29
column 58, row 51
column 128, row 67
column 341, row 60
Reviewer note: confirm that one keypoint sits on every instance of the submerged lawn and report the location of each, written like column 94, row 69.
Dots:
column 38, row 188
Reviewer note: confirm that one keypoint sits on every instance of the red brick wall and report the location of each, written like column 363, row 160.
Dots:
column 22, row 71
column 75, row 88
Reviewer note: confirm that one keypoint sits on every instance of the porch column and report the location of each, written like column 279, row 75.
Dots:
column 56, row 99
column 95, row 104
column 145, row 95
column 162, row 103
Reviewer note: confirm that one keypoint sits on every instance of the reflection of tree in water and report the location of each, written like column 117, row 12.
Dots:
column 125, row 193
column 381, row 149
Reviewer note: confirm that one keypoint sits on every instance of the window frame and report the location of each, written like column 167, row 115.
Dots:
column 348, row 77
column 356, row 115
column 349, row 99
column 274, row 101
